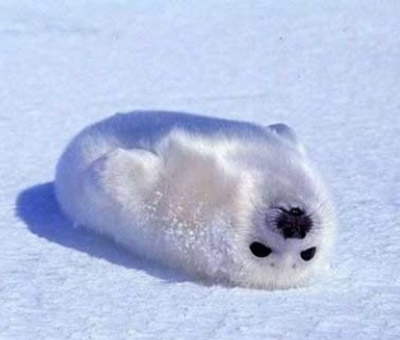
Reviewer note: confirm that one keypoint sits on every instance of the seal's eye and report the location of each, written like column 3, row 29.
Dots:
column 308, row 254
column 260, row 250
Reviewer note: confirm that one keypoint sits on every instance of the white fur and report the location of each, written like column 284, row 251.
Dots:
column 194, row 192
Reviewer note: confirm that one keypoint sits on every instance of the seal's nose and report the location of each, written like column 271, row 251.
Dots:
column 294, row 223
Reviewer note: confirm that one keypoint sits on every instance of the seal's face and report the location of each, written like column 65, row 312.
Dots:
column 288, row 229
column 292, row 224
column 288, row 245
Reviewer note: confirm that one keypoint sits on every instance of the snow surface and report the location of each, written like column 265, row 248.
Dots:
column 330, row 69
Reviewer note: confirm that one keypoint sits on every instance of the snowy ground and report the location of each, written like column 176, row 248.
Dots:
column 331, row 69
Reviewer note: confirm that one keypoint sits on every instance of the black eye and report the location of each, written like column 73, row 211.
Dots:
column 308, row 254
column 260, row 250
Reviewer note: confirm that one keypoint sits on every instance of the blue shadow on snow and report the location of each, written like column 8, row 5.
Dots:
column 39, row 209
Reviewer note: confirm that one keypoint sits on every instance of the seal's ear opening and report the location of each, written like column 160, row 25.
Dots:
column 286, row 133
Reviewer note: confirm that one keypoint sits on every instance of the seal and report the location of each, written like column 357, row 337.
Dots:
column 226, row 202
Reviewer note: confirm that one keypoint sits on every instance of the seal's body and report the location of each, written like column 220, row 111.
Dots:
column 224, row 201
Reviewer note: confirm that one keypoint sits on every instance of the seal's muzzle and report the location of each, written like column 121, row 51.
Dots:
column 294, row 223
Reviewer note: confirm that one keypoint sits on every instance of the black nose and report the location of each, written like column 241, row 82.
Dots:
column 294, row 223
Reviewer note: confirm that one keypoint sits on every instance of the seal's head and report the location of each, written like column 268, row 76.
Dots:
column 290, row 233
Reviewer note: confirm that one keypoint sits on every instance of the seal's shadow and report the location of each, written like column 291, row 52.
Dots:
column 39, row 209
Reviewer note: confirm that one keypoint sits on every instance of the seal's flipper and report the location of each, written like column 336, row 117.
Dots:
column 288, row 134
column 285, row 132
column 122, row 175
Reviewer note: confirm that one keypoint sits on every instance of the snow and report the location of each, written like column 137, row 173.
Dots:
column 330, row 69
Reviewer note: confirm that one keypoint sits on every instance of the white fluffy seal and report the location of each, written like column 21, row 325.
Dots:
column 224, row 201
